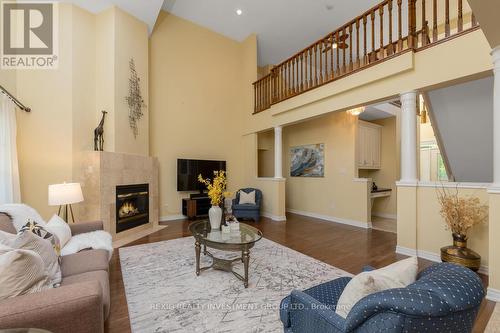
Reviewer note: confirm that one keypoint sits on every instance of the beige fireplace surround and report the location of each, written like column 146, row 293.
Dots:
column 100, row 173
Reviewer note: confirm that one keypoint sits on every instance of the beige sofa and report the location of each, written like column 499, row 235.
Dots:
column 79, row 305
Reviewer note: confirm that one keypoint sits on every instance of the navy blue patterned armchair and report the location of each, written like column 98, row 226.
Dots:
column 445, row 298
column 248, row 211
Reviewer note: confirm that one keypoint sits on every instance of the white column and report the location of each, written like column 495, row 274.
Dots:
column 496, row 116
column 409, row 137
column 278, row 152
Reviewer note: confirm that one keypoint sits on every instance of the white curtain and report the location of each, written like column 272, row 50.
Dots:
column 10, row 191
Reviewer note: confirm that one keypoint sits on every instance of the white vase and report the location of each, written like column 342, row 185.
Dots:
column 215, row 216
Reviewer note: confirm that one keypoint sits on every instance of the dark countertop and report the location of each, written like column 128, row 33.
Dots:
column 381, row 190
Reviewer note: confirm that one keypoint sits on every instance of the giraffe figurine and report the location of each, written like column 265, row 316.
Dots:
column 99, row 134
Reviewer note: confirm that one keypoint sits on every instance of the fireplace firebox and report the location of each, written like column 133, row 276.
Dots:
column 132, row 206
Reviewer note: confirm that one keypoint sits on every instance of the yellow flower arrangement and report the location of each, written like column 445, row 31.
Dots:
column 217, row 187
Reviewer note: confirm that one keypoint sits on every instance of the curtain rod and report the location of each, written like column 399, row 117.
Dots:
column 15, row 100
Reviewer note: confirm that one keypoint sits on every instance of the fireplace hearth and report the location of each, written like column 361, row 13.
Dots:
column 132, row 206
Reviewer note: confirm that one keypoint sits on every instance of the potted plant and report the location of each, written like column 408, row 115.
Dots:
column 216, row 192
column 461, row 214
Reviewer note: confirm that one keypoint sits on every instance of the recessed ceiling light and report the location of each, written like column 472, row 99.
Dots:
column 334, row 45
column 239, row 12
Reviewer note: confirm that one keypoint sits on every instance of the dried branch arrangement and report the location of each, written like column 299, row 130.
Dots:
column 461, row 212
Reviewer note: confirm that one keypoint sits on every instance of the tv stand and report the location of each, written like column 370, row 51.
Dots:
column 198, row 195
column 196, row 206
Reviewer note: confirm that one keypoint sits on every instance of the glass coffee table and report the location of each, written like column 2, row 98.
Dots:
column 241, row 240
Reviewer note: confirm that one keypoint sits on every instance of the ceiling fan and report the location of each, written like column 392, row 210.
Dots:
column 332, row 43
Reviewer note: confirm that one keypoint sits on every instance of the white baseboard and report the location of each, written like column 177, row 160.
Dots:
column 274, row 217
column 172, row 218
column 331, row 218
column 431, row 256
column 493, row 295
column 385, row 215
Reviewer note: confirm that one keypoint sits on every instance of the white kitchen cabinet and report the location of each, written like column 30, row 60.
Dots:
column 369, row 141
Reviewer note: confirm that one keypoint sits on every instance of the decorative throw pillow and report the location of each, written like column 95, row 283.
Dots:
column 41, row 232
column 397, row 275
column 27, row 240
column 61, row 229
column 247, row 198
column 20, row 214
column 21, row 272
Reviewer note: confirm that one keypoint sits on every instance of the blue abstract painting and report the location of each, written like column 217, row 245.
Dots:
column 307, row 161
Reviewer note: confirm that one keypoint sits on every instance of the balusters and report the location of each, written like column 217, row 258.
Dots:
column 297, row 84
column 337, row 40
column 381, row 23
column 390, row 49
column 365, row 55
column 302, row 71
column 325, row 51
column 400, row 26
column 434, row 21
column 332, row 52
column 320, row 64
column 316, row 64
column 373, row 56
column 424, row 25
column 447, row 18
column 294, row 72
column 357, row 44
column 310, row 68
column 412, row 24
column 344, row 37
column 460, row 20
column 350, row 48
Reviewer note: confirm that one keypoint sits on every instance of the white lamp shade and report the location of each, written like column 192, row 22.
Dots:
column 65, row 194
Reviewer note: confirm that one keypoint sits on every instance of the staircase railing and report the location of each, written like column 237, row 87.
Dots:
column 382, row 32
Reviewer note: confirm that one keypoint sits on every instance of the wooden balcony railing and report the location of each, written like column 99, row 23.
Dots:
column 384, row 31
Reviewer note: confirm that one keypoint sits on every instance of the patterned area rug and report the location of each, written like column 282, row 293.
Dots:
column 165, row 295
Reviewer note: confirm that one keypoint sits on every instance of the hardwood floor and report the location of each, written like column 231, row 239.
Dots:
column 342, row 246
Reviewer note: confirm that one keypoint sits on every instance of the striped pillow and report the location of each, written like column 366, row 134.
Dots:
column 27, row 240
column 21, row 272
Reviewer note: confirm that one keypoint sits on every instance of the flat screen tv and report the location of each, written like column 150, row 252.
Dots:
column 188, row 171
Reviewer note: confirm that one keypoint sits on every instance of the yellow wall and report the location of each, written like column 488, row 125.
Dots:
column 387, row 176
column 200, row 89
column 266, row 154
column 45, row 135
column 430, row 232
column 66, row 102
column 335, row 195
column 131, row 41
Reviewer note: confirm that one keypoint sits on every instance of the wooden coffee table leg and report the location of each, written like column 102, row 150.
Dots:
column 246, row 259
column 198, row 250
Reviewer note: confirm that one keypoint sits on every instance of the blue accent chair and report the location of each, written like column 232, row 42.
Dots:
column 445, row 298
column 248, row 211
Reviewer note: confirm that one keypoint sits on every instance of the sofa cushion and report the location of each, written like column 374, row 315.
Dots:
column 100, row 276
column 27, row 240
column 6, row 224
column 21, row 272
column 60, row 228
column 247, row 198
column 397, row 275
column 84, row 261
column 245, row 207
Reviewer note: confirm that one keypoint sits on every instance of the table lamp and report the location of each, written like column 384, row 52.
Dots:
column 64, row 195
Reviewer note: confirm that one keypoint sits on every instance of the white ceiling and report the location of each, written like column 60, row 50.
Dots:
column 145, row 10
column 379, row 111
column 283, row 27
